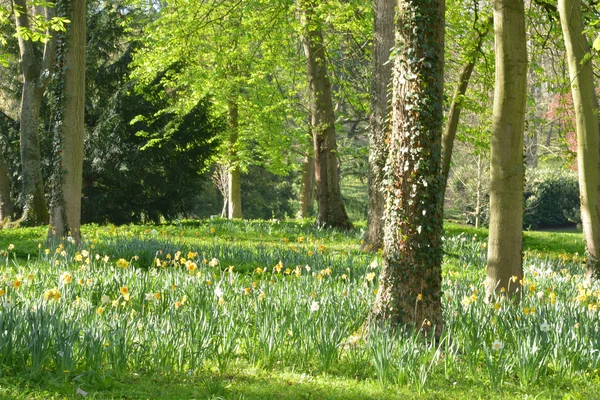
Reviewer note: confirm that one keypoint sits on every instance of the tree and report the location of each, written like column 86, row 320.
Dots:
column 6, row 203
column 307, row 190
column 410, row 283
column 505, row 242
column 383, row 42
column 68, row 122
column 239, row 53
column 453, row 115
column 37, row 70
column 331, row 210
column 585, row 106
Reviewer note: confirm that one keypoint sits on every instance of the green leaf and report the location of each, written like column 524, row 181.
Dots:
column 596, row 44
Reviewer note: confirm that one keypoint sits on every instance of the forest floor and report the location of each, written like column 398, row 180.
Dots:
column 216, row 309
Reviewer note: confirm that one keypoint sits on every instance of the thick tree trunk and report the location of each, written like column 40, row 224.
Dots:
column 332, row 212
column 35, row 211
column 307, row 191
column 588, row 131
column 457, row 103
column 505, row 240
column 383, row 42
column 6, row 205
column 410, row 285
column 37, row 70
column 234, row 199
column 69, row 126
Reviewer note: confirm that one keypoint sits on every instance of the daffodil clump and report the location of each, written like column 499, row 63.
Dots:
column 164, row 306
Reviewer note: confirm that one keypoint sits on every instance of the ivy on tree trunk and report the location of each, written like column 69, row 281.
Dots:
column 68, row 123
column 410, row 283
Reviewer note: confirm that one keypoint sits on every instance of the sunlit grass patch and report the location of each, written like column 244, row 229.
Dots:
column 139, row 303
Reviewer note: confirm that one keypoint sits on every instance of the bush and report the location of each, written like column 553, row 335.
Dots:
column 551, row 199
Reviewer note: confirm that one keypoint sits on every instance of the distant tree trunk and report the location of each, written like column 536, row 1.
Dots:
column 588, row 132
column 307, row 191
column 383, row 42
column 410, row 285
column 505, row 242
column 37, row 70
column 332, row 212
column 531, row 149
column 235, row 188
column 69, row 124
column 479, row 193
column 221, row 180
column 457, row 103
column 6, row 205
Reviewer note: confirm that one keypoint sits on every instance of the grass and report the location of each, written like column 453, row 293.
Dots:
column 147, row 312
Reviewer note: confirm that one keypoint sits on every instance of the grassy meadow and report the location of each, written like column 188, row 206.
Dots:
column 216, row 309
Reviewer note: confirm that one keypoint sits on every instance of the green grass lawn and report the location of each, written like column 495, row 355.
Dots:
column 216, row 309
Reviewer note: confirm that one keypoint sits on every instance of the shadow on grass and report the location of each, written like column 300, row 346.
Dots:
column 250, row 384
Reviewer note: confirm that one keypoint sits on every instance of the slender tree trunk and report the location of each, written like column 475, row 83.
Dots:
column 457, row 102
column 588, row 131
column 235, row 188
column 332, row 212
column 410, row 285
column 505, row 242
column 479, row 194
column 69, row 125
column 307, row 192
column 383, row 42
column 6, row 205
column 37, row 70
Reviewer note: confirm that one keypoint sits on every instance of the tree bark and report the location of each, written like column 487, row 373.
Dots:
column 6, row 205
column 588, row 131
column 37, row 70
column 410, row 284
column 332, row 212
column 505, row 242
column 457, row 103
column 307, row 192
column 234, row 200
column 69, row 125
column 383, row 42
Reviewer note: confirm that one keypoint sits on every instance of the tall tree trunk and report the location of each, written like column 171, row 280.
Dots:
column 410, row 285
column 307, row 191
column 37, row 70
column 479, row 193
column 235, row 188
column 586, row 116
column 6, row 205
column 457, row 102
column 332, row 212
column 383, row 42
column 69, row 124
column 505, row 242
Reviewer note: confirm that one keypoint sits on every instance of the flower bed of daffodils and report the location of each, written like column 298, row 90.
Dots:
column 74, row 310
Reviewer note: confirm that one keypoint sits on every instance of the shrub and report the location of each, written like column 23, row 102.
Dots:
column 551, row 199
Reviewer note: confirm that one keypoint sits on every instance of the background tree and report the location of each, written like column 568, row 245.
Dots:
column 331, row 210
column 506, row 161
column 383, row 42
column 37, row 68
column 585, row 106
column 453, row 116
column 410, row 283
column 238, row 53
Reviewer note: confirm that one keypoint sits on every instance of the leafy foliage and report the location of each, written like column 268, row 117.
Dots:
column 551, row 199
column 130, row 177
